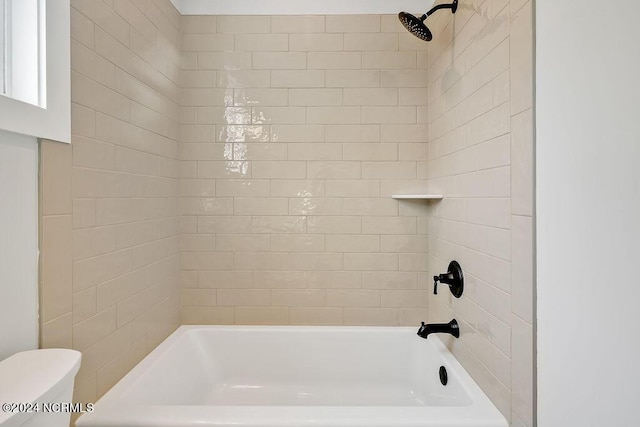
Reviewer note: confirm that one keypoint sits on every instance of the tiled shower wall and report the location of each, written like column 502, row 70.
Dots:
column 110, row 207
column 481, row 159
column 296, row 131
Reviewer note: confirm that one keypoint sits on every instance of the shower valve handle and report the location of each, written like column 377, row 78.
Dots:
column 453, row 277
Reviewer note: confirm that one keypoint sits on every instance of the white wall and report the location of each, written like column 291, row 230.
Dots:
column 18, row 243
column 588, row 209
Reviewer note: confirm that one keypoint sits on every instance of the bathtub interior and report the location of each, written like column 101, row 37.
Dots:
column 292, row 367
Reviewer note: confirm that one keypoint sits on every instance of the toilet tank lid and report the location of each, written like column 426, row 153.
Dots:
column 29, row 376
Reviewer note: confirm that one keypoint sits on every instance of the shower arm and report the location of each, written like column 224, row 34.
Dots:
column 453, row 6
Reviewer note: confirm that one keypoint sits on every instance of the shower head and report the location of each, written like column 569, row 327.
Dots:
column 417, row 27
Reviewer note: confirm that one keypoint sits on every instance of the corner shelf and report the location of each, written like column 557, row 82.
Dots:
column 417, row 196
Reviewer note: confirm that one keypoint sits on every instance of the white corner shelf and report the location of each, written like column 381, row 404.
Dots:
column 417, row 196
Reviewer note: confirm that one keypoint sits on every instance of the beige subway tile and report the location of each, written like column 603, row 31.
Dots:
column 353, row 23
column 391, row 24
column 333, row 115
column 298, row 133
column 315, row 151
column 334, row 279
column 315, row 97
column 92, row 330
column 333, row 170
column 522, row 267
column 522, row 369
column 56, row 264
column 244, row 24
column 198, row 297
column 382, row 115
column 404, row 243
column 193, row 24
column 207, row 42
column 352, row 243
column 86, row 62
column 92, row 154
column 388, row 225
column 278, row 224
column 334, row 60
column 521, row 64
column 89, row 242
column 370, row 261
column 315, row 42
column 279, row 279
column 221, row 170
column 56, row 178
column 353, row 78
column 259, row 151
column 207, row 315
column 353, row 133
column 389, row 170
column 279, row 60
column 136, row 233
column 242, row 188
column 207, row 260
column 404, row 78
column 203, row 151
column 108, row 375
column 353, row 188
column 299, row 298
column 278, row 115
column 197, row 133
column 224, row 279
column 217, row 61
column 262, row 316
column 370, row 316
column 242, row 242
column 405, row 299
column 333, row 225
column 413, row 96
column 297, row 188
column 204, row 96
column 99, row 269
column 260, row 206
column 197, row 242
column 84, row 304
column 220, row 224
column 389, row 60
column 297, row 24
column 353, row 298
column 408, row 41
column 243, row 78
column 206, row 206
column 261, row 43
column 370, row 151
column 263, row 97
column 57, row 333
column 370, row 96
column 315, row 206
column 316, row 261
column 242, row 133
column 82, row 28
column 371, row 41
column 389, row 280
column 297, row 78
column 132, row 307
column 413, row 151
column 412, row 262
column 105, row 17
column 412, row 316
column 404, row 133
column 83, row 121
column 297, row 243
column 84, row 213
column 370, row 206
column 279, row 169
column 316, row 316
column 522, row 160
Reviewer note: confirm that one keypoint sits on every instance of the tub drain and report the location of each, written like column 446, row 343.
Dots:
column 444, row 378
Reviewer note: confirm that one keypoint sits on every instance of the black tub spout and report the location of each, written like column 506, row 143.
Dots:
column 451, row 328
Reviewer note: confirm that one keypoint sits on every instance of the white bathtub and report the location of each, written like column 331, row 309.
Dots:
column 295, row 376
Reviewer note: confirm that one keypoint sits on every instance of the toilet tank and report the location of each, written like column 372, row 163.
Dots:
column 34, row 378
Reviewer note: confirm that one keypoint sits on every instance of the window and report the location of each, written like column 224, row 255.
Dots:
column 35, row 68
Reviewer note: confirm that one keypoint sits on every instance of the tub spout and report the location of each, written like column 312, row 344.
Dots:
column 443, row 328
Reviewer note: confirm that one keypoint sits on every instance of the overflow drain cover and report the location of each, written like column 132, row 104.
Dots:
column 444, row 378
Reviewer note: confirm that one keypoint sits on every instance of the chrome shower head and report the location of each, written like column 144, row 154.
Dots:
column 417, row 27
